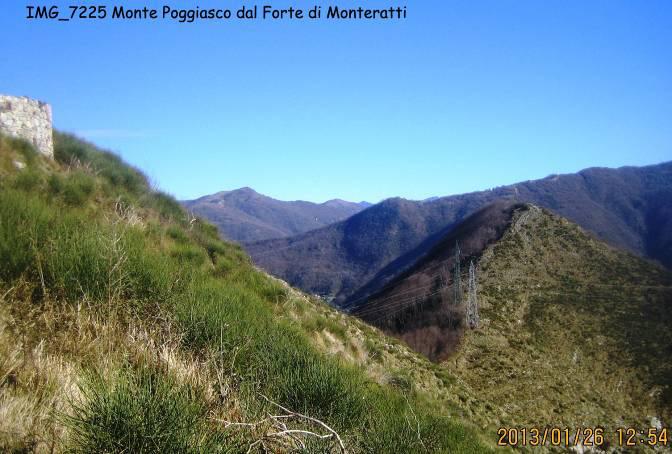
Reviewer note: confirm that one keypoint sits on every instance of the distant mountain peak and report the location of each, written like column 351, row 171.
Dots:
column 338, row 203
column 245, row 215
column 245, row 190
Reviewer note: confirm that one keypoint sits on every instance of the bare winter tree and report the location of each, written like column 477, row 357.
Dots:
column 473, row 318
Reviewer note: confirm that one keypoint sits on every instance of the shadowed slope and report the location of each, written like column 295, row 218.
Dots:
column 629, row 208
column 571, row 330
column 418, row 305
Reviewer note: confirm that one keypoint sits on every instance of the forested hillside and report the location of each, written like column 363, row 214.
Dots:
column 628, row 208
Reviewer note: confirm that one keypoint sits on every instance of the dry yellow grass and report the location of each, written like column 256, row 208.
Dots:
column 45, row 349
column 389, row 361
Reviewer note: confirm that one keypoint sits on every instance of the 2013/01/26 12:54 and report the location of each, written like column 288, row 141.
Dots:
column 586, row 436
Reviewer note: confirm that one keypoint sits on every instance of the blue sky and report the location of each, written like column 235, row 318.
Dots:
column 460, row 96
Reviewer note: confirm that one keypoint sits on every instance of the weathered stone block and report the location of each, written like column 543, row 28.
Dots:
column 28, row 119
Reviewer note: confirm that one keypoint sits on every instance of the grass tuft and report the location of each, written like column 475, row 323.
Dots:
column 141, row 410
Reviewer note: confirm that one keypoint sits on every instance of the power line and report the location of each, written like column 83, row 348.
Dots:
column 398, row 305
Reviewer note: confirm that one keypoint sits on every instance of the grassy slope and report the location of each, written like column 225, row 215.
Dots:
column 574, row 332
column 124, row 324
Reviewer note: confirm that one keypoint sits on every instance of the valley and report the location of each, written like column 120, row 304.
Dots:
column 628, row 208
column 125, row 322
column 344, row 228
column 569, row 330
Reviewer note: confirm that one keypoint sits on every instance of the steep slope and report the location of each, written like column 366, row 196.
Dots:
column 572, row 332
column 419, row 305
column 628, row 208
column 127, row 326
column 338, row 259
column 244, row 215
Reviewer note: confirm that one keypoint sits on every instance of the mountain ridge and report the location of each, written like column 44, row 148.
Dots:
column 627, row 207
column 245, row 215
column 552, row 299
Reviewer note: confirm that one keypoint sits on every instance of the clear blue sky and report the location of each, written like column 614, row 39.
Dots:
column 460, row 96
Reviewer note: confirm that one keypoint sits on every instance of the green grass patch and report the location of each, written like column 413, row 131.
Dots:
column 321, row 322
column 69, row 150
column 141, row 410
